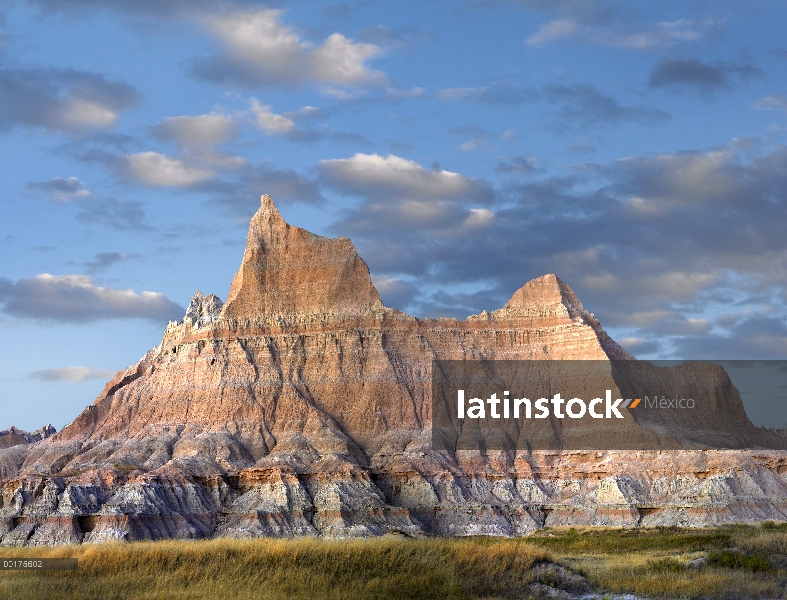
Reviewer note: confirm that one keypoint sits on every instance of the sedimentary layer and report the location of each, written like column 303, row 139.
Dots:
column 301, row 406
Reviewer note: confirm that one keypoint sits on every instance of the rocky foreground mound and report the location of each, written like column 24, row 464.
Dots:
column 302, row 406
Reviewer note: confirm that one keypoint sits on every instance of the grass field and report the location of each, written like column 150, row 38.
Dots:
column 729, row 562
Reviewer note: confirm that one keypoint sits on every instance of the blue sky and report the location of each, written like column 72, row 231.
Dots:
column 637, row 150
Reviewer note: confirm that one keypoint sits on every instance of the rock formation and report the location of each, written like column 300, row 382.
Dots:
column 302, row 406
column 13, row 436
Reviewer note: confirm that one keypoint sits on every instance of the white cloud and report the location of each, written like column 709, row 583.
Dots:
column 258, row 38
column 194, row 132
column 261, row 49
column 269, row 122
column 71, row 374
column 77, row 298
column 340, row 60
column 393, row 176
column 158, row 169
column 196, row 137
column 78, row 113
column 479, row 217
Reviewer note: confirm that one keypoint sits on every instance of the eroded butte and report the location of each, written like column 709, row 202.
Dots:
column 301, row 406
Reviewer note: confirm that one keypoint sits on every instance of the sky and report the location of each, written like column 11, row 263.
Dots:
column 638, row 150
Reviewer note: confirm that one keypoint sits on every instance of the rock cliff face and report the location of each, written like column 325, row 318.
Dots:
column 302, row 406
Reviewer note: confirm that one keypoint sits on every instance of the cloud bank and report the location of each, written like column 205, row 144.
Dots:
column 75, row 298
column 64, row 100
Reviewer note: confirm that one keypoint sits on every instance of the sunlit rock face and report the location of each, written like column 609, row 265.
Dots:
column 301, row 406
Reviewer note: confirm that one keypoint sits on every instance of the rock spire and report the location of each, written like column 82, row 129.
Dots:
column 288, row 271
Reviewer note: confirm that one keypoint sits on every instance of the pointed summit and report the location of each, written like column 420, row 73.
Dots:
column 547, row 301
column 289, row 271
column 545, row 292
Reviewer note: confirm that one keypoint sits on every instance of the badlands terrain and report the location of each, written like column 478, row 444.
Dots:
column 301, row 406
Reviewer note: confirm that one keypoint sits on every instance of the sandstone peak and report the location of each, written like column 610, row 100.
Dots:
column 546, row 291
column 289, row 271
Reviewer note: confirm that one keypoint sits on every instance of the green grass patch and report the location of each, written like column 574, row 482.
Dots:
column 601, row 540
column 736, row 560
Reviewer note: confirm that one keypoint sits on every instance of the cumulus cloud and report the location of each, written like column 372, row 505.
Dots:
column 196, row 137
column 339, row 60
column 400, row 195
column 391, row 176
column 71, row 374
column 269, row 122
column 197, row 132
column 61, row 189
column 62, row 99
column 261, row 50
column 75, row 298
column 696, row 74
column 158, row 169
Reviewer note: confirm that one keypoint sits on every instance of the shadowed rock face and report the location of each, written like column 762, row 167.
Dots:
column 301, row 406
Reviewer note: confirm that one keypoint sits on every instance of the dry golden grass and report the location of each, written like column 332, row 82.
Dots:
column 647, row 562
column 272, row 569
